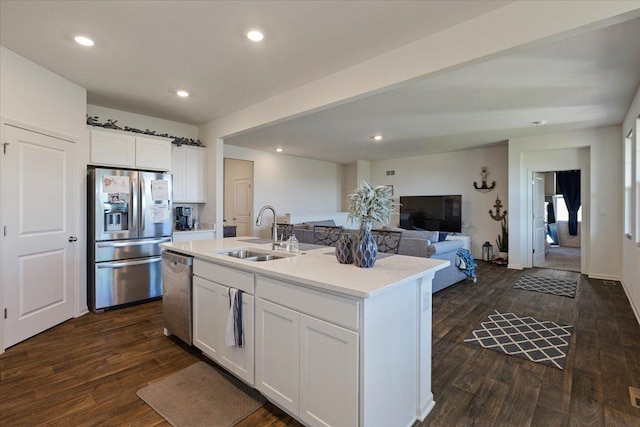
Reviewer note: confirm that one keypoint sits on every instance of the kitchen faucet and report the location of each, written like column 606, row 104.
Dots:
column 275, row 226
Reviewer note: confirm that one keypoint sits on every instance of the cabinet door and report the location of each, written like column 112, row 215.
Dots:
column 153, row 154
column 328, row 374
column 195, row 175
column 208, row 317
column 277, row 354
column 112, row 149
column 240, row 361
column 178, row 163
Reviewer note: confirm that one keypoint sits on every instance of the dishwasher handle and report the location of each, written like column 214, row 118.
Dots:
column 177, row 258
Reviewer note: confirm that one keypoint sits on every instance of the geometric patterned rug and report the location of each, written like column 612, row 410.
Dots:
column 524, row 337
column 565, row 288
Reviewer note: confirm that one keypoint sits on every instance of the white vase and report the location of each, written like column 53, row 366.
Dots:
column 503, row 255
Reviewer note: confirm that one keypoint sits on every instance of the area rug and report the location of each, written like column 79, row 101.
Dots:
column 524, row 337
column 547, row 285
column 200, row 395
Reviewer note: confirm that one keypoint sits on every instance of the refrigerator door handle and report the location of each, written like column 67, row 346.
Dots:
column 136, row 243
column 120, row 264
column 143, row 205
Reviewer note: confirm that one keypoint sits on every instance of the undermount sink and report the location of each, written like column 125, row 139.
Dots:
column 253, row 255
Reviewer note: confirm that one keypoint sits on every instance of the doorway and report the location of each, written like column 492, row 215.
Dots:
column 238, row 195
column 556, row 244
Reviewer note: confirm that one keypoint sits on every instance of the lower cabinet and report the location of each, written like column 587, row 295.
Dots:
column 210, row 314
column 307, row 366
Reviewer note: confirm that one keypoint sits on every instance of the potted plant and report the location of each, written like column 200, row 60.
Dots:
column 368, row 205
column 503, row 240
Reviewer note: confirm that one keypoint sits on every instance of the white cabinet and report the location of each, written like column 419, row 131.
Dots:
column 278, row 354
column 328, row 374
column 210, row 314
column 119, row 149
column 188, row 169
column 207, row 315
column 153, row 153
column 304, row 364
column 112, row 149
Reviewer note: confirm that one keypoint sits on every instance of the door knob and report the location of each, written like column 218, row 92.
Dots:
column 73, row 239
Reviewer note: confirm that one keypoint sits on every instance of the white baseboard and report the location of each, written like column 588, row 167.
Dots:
column 603, row 277
column 515, row 266
column 636, row 310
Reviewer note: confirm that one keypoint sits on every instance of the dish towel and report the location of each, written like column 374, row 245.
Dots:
column 234, row 335
column 466, row 263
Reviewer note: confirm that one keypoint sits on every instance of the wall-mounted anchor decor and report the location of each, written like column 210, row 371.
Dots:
column 498, row 205
column 484, row 188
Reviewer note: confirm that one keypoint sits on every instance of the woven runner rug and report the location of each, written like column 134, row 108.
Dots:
column 201, row 396
column 524, row 337
column 547, row 285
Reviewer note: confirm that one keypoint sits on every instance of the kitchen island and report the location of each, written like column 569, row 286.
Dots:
column 330, row 344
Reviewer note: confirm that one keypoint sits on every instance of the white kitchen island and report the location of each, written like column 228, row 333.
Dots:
column 331, row 344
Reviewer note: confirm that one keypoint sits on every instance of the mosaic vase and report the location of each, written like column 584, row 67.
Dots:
column 344, row 251
column 365, row 248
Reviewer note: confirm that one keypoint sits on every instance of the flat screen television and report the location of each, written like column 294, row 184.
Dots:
column 434, row 213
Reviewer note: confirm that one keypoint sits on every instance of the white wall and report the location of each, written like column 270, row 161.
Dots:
column 631, row 250
column 349, row 183
column 290, row 184
column 35, row 96
column 453, row 173
column 597, row 152
column 141, row 122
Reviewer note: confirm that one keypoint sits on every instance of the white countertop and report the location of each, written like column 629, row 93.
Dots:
column 199, row 230
column 317, row 268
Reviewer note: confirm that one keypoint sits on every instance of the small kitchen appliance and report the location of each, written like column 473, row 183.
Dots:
column 183, row 218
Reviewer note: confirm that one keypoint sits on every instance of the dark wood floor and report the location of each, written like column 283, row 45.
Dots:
column 87, row 370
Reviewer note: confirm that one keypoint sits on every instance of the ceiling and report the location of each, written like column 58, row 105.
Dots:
column 146, row 50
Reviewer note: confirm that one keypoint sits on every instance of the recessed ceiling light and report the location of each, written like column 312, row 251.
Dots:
column 255, row 35
column 182, row 93
column 377, row 137
column 84, row 41
column 279, row 150
column 540, row 123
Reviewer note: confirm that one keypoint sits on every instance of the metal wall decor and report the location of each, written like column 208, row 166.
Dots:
column 111, row 124
column 498, row 205
column 484, row 188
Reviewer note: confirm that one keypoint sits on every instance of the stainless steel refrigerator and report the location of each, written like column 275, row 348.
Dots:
column 129, row 215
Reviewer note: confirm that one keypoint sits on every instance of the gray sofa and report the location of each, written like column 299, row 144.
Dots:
column 420, row 243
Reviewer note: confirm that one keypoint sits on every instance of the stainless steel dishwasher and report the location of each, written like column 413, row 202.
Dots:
column 177, row 275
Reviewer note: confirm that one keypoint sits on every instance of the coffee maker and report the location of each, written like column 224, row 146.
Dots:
column 183, row 218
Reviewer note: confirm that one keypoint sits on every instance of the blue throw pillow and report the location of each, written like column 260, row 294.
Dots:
column 442, row 236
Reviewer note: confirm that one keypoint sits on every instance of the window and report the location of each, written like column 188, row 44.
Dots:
column 562, row 213
column 628, row 187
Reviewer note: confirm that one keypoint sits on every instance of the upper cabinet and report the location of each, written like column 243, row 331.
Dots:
column 129, row 151
column 188, row 169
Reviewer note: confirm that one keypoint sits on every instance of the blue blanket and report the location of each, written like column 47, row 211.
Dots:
column 466, row 263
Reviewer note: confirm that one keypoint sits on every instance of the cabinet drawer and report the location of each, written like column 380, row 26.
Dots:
column 332, row 308
column 224, row 275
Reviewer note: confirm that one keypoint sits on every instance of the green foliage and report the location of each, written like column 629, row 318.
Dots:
column 371, row 204
column 503, row 239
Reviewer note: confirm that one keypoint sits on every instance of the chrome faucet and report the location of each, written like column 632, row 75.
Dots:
column 275, row 226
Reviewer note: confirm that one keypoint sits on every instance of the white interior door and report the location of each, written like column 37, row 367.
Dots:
column 39, row 256
column 242, row 205
column 539, row 232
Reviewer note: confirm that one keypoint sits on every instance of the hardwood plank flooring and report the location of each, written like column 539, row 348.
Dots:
column 86, row 371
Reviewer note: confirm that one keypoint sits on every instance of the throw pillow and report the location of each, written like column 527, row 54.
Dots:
column 442, row 236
